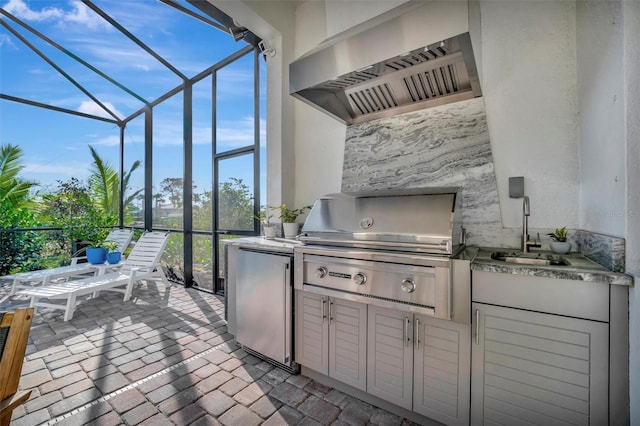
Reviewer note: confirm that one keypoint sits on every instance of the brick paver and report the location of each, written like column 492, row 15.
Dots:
column 112, row 345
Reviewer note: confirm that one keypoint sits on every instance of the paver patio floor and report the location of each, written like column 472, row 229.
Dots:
column 164, row 358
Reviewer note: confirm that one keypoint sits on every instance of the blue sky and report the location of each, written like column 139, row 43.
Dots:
column 55, row 144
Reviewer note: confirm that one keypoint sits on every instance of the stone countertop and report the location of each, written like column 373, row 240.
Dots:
column 277, row 245
column 581, row 268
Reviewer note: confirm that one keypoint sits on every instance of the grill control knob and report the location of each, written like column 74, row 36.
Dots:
column 408, row 285
column 360, row 278
column 321, row 272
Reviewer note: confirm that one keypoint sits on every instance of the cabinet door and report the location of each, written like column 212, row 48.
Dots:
column 390, row 355
column 312, row 331
column 348, row 342
column 535, row 368
column 442, row 366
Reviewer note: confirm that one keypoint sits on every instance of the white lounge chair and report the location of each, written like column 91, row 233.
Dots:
column 122, row 237
column 143, row 263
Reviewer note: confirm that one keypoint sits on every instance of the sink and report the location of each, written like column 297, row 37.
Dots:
column 530, row 258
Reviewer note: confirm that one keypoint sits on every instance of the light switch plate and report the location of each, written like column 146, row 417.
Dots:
column 516, row 187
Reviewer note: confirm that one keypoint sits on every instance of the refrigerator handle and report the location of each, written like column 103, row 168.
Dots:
column 287, row 282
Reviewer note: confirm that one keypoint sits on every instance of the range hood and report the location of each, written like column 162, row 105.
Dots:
column 438, row 73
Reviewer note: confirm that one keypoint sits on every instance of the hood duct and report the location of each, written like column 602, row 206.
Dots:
column 436, row 74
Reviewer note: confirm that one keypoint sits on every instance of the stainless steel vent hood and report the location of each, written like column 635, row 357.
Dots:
column 443, row 71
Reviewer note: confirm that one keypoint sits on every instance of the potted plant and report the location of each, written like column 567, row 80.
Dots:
column 113, row 255
column 268, row 228
column 289, row 217
column 559, row 243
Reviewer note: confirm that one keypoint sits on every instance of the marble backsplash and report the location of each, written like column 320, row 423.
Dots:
column 606, row 250
column 445, row 146
column 448, row 146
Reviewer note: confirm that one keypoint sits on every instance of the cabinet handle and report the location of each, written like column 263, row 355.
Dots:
column 322, row 303
column 407, row 338
column 330, row 311
column 417, row 331
column 477, row 326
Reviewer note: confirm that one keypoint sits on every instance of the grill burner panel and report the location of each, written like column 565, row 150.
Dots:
column 417, row 285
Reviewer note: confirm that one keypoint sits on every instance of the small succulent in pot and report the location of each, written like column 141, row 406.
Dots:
column 110, row 245
column 560, row 244
column 560, row 234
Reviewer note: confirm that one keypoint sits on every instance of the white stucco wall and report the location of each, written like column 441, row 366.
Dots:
column 529, row 85
column 601, row 122
column 343, row 15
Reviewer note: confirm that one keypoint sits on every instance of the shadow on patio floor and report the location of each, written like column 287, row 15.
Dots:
column 164, row 357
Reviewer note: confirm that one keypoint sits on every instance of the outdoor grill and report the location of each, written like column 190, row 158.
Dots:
column 396, row 249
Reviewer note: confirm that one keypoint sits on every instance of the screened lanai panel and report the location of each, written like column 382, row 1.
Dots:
column 173, row 258
column 235, row 105
column 190, row 58
column 235, row 193
column 203, row 261
column 168, row 164
column 129, row 55
column 202, row 156
column 134, row 154
column 56, row 146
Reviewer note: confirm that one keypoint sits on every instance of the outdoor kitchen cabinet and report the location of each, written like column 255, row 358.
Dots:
column 538, row 367
column 548, row 351
column 419, row 363
column 332, row 337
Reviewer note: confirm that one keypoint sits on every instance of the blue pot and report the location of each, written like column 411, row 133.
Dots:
column 96, row 255
column 113, row 257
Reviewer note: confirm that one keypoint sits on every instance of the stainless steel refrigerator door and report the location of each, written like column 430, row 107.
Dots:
column 263, row 304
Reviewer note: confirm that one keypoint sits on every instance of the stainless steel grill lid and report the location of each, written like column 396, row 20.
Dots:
column 425, row 220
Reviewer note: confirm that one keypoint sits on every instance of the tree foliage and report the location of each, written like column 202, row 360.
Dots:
column 19, row 250
column 13, row 189
column 235, row 205
column 104, row 185
column 72, row 208
column 172, row 187
column 16, row 247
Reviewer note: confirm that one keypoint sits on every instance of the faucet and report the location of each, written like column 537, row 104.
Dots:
column 526, row 212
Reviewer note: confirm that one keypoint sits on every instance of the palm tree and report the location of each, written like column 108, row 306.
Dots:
column 13, row 189
column 104, row 183
column 16, row 211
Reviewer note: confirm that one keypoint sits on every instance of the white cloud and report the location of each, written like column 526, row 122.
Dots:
column 77, row 170
column 142, row 67
column 235, row 134
column 230, row 134
column 120, row 56
column 90, row 107
column 38, row 71
column 5, row 40
column 79, row 14
column 113, row 140
column 21, row 10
